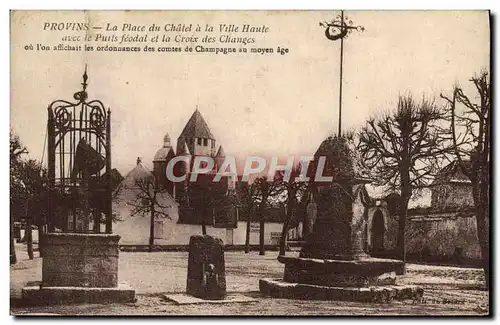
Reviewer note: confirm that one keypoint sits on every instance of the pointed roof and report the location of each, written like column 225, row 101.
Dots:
column 163, row 152
column 453, row 173
column 182, row 148
column 138, row 172
column 166, row 140
column 220, row 152
column 196, row 127
column 129, row 190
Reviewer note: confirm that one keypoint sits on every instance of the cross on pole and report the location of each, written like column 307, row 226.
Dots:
column 340, row 28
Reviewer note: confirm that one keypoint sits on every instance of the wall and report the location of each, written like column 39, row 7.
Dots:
column 199, row 150
column 441, row 235
column 438, row 236
column 134, row 230
column 270, row 228
column 452, row 195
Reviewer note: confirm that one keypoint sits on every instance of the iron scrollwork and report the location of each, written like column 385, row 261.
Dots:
column 62, row 118
column 78, row 136
column 98, row 118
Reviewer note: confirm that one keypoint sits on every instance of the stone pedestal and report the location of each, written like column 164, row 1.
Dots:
column 338, row 230
column 80, row 260
column 278, row 288
column 206, row 270
column 332, row 265
column 79, row 268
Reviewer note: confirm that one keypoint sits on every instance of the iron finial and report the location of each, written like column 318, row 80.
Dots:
column 85, row 77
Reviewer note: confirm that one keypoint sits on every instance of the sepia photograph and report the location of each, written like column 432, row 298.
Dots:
column 250, row 163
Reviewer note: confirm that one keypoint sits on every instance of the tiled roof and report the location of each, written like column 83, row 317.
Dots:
column 196, row 127
column 182, row 148
column 220, row 152
column 453, row 173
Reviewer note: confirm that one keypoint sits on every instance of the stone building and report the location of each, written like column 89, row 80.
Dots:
column 451, row 188
column 196, row 139
column 185, row 220
column 445, row 230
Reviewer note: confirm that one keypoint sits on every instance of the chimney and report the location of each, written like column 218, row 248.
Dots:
column 138, row 160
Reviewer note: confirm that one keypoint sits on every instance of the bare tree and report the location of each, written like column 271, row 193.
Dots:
column 294, row 189
column 471, row 135
column 209, row 199
column 17, row 186
column 246, row 197
column 402, row 149
column 148, row 202
column 266, row 190
column 34, row 193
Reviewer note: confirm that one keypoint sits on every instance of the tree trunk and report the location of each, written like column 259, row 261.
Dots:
column 482, row 234
column 202, row 211
column 97, row 221
column 284, row 234
column 40, row 240
column 29, row 238
column 286, row 224
column 403, row 213
column 152, row 229
column 13, row 258
column 203, row 226
column 480, row 195
column 262, row 250
column 247, row 238
column 481, row 201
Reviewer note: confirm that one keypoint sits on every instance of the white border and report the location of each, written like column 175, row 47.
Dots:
column 191, row 5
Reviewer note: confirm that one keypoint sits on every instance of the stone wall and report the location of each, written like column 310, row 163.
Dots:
column 452, row 195
column 448, row 236
column 431, row 236
column 80, row 260
column 438, row 237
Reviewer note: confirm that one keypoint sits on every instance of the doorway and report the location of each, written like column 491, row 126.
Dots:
column 377, row 233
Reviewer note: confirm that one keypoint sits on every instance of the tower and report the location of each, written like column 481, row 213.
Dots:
column 219, row 157
column 197, row 136
column 181, row 188
column 160, row 161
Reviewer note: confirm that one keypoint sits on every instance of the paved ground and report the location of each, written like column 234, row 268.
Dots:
column 447, row 290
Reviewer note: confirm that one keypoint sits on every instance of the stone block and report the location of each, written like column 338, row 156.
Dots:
column 92, row 264
column 349, row 273
column 326, row 278
column 280, row 289
column 206, row 269
column 106, row 280
column 80, row 260
column 109, row 264
column 37, row 295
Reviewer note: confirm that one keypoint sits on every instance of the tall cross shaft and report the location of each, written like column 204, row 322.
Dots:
column 341, row 68
column 344, row 30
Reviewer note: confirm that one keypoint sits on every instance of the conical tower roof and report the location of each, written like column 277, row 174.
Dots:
column 166, row 140
column 182, row 148
column 196, row 127
column 220, row 152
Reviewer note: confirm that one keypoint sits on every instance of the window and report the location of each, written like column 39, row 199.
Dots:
column 199, row 141
column 212, row 143
column 205, row 142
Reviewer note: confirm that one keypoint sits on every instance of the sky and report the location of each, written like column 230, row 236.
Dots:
column 254, row 104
